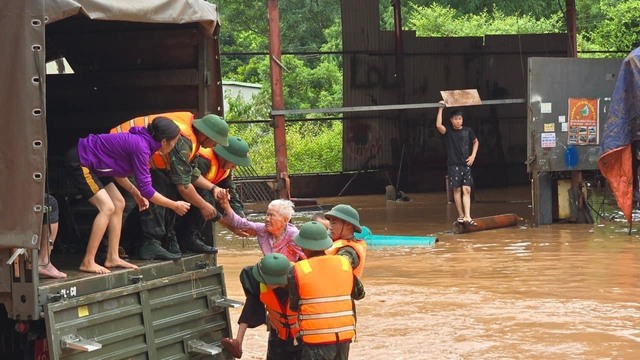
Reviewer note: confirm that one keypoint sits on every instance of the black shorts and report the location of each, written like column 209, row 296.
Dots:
column 51, row 213
column 84, row 179
column 459, row 176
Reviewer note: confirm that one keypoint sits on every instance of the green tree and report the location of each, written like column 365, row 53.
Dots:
column 619, row 30
column 437, row 20
column 244, row 29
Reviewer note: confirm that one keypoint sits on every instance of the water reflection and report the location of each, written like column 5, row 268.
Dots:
column 553, row 292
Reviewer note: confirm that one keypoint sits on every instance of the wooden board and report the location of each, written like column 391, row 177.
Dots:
column 466, row 97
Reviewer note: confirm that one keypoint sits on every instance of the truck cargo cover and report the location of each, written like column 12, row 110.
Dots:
column 22, row 93
column 151, row 11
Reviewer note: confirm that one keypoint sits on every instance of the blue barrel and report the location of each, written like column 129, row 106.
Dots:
column 394, row 240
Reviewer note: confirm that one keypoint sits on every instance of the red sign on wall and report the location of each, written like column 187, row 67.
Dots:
column 583, row 121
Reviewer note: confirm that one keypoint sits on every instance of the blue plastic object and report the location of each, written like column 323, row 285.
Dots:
column 571, row 156
column 394, row 240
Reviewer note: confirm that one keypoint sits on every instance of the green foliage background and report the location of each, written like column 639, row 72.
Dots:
column 606, row 28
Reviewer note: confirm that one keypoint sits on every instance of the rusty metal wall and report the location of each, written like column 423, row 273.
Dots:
column 495, row 65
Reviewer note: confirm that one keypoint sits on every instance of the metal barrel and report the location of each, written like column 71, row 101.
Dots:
column 487, row 223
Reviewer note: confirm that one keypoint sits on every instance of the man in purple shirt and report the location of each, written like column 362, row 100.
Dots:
column 99, row 160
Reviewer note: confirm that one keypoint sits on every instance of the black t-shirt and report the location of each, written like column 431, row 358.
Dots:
column 459, row 145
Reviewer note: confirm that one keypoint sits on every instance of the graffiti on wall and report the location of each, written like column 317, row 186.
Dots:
column 363, row 140
column 367, row 74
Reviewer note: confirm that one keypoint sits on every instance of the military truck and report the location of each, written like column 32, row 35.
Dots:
column 113, row 60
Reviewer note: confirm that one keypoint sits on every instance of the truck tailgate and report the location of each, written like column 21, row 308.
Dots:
column 164, row 310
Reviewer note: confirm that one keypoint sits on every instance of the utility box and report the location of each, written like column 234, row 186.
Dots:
column 568, row 102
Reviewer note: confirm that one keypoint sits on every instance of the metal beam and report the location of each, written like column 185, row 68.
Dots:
column 351, row 109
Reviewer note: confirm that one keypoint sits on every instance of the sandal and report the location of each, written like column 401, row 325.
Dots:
column 232, row 346
column 470, row 222
column 460, row 220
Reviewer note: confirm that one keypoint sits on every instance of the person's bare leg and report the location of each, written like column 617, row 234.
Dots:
column 466, row 202
column 457, row 199
column 114, row 231
column 242, row 328
column 103, row 203
column 45, row 267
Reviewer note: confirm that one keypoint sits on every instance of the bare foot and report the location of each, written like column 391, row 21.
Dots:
column 51, row 271
column 118, row 262
column 93, row 268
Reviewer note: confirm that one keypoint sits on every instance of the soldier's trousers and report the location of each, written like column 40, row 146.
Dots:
column 337, row 351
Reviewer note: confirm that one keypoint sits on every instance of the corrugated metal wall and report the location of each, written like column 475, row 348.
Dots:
column 495, row 65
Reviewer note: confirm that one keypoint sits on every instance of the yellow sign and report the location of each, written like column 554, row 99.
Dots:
column 83, row 311
column 549, row 127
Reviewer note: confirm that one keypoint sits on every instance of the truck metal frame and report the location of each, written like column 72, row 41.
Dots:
column 126, row 60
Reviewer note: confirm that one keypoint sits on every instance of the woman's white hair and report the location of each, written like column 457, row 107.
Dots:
column 282, row 207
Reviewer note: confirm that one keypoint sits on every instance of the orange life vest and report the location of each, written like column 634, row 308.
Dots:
column 360, row 246
column 215, row 173
column 279, row 316
column 326, row 314
column 182, row 119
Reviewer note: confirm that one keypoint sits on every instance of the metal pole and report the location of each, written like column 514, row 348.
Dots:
column 352, row 109
column 280, row 138
column 571, row 28
column 399, row 51
column 399, row 60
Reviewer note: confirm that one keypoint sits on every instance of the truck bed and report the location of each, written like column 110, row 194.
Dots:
column 163, row 309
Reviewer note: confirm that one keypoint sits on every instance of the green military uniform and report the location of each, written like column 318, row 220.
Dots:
column 194, row 230
column 193, row 224
column 158, row 223
column 313, row 237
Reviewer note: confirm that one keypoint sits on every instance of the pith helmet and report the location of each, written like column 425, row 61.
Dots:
column 214, row 128
column 313, row 236
column 272, row 269
column 346, row 213
column 236, row 152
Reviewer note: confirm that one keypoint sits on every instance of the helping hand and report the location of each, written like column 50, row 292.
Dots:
column 143, row 204
column 243, row 232
column 182, row 207
column 208, row 211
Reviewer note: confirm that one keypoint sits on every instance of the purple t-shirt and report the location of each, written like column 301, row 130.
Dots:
column 285, row 246
column 121, row 155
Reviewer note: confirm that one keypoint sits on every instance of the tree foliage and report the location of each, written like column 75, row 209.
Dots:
column 620, row 28
column 311, row 147
column 438, row 20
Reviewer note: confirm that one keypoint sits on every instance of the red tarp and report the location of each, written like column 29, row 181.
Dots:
column 620, row 131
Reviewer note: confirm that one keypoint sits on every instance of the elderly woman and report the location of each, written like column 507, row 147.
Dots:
column 276, row 234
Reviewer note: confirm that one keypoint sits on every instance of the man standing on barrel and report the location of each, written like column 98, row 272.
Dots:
column 462, row 147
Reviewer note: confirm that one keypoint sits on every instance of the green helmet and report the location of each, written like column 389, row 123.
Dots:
column 236, row 152
column 313, row 236
column 345, row 213
column 272, row 269
column 213, row 127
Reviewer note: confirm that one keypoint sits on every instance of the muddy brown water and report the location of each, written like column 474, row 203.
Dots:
column 561, row 291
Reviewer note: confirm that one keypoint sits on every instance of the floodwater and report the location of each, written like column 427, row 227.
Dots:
column 562, row 291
